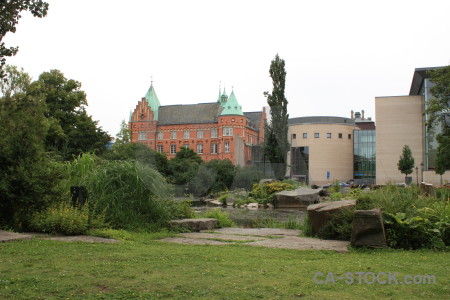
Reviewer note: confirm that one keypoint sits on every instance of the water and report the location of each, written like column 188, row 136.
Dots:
column 245, row 217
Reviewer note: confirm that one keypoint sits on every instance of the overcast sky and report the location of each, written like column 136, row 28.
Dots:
column 339, row 55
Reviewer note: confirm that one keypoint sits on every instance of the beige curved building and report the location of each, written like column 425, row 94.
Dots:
column 322, row 149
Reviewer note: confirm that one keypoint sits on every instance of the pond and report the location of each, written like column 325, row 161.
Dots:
column 245, row 217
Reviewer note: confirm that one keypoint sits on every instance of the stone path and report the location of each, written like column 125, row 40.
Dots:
column 6, row 236
column 263, row 237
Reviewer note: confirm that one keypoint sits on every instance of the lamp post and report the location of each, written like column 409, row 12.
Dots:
column 417, row 175
column 421, row 170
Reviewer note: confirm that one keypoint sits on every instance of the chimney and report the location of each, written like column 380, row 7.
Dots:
column 351, row 113
column 362, row 112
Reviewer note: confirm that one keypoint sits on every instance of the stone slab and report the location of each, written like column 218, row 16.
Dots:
column 301, row 243
column 259, row 231
column 195, row 224
column 82, row 238
column 192, row 241
column 229, row 237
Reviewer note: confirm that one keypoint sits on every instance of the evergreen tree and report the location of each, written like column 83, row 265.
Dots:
column 276, row 139
column 406, row 162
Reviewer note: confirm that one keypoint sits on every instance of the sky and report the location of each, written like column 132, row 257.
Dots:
column 339, row 55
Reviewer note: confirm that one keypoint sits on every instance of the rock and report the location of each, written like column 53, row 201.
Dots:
column 319, row 214
column 269, row 205
column 368, row 229
column 215, row 203
column 253, row 205
column 268, row 180
column 195, row 224
column 427, row 189
column 299, row 198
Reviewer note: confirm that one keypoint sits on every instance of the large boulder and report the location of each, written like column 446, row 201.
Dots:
column 368, row 229
column 195, row 224
column 319, row 214
column 299, row 198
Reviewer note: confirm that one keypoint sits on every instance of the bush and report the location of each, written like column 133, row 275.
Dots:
column 411, row 233
column 63, row 218
column 246, row 177
column 264, row 193
column 339, row 226
column 131, row 194
column 223, row 219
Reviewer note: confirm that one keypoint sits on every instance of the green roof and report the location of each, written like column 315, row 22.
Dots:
column 231, row 107
column 153, row 101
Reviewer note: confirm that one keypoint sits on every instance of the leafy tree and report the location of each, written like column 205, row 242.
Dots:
column 10, row 11
column 247, row 176
column 406, row 162
column 437, row 110
column 277, row 145
column 184, row 166
column 124, row 135
column 28, row 179
column 140, row 153
column 225, row 171
column 72, row 131
column 15, row 81
column 443, row 153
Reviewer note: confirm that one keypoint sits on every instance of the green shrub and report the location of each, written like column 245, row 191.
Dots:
column 223, row 219
column 265, row 193
column 335, row 187
column 131, row 194
column 339, row 226
column 62, row 218
column 246, row 177
column 182, row 209
column 411, row 233
column 336, row 196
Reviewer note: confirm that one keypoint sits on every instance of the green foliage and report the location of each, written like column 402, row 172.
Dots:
column 355, row 193
column 225, row 171
column 16, row 81
column 223, row 219
column 72, row 131
column 10, row 13
column 265, row 193
column 184, row 166
column 63, row 218
column 441, row 96
column 339, row 226
column 28, row 179
column 246, row 177
column 182, row 209
column 276, row 137
column 124, row 135
column 335, row 187
column 131, row 194
column 336, row 196
column 140, row 153
column 411, row 233
column 443, row 152
column 406, row 162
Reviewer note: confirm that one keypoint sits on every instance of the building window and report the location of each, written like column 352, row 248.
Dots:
column 305, row 135
column 160, row 135
column 228, row 131
column 200, row 148
column 316, row 135
column 294, row 136
column 213, row 148
column 242, row 121
column 329, row 135
column 173, row 135
column 227, row 147
column 160, row 148
column 142, row 136
column 199, row 134
column 186, row 134
column 340, row 135
column 232, row 120
column 349, row 136
column 213, row 133
column 173, row 149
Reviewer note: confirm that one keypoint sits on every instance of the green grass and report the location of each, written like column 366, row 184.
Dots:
column 140, row 267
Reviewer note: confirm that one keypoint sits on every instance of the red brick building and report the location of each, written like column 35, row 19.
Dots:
column 216, row 130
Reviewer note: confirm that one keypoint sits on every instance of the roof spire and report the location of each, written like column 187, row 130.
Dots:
column 220, row 85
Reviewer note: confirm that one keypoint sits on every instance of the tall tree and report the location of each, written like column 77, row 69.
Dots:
column 16, row 81
column 10, row 11
column 438, row 112
column 28, row 180
column 406, row 162
column 72, row 131
column 277, row 145
column 124, row 135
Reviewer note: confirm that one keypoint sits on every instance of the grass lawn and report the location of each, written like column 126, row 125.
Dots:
column 144, row 268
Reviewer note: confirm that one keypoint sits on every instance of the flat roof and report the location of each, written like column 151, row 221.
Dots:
column 321, row 120
column 419, row 75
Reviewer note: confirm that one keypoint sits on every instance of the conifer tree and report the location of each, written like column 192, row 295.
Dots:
column 406, row 162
